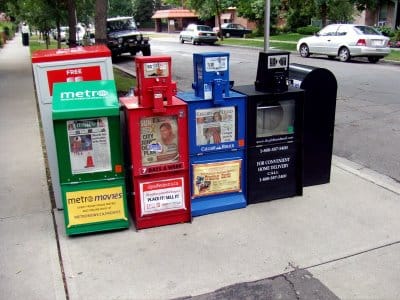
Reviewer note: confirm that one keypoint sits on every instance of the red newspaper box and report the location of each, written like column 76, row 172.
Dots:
column 156, row 125
column 65, row 65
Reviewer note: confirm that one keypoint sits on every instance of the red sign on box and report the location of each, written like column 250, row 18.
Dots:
column 73, row 75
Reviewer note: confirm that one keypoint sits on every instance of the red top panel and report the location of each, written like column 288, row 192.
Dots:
column 70, row 53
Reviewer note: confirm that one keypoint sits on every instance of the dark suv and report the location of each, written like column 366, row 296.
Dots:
column 123, row 37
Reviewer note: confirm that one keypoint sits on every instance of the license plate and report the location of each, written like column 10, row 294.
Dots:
column 208, row 34
column 377, row 42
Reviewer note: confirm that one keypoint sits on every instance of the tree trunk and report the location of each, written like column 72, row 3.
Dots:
column 218, row 11
column 100, row 21
column 72, row 23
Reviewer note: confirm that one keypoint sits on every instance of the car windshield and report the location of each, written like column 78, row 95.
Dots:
column 366, row 30
column 204, row 28
column 124, row 24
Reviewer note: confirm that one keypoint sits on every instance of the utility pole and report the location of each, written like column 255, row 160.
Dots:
column 266, row 24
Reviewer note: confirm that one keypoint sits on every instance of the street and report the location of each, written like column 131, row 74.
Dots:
column 367, row 126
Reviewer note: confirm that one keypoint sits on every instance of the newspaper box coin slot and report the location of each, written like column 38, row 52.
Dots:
column 154, row 84
column 320, row 88
column 211, row 76
column 216, row 137
column 64, row 65
column 87, row 131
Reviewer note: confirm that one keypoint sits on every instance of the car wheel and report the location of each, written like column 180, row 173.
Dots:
column 373, row 59
column 344, row 54
column 193, row 41
column 181, row 39
column 227, row 34
column 304, row 50
column 146, row 52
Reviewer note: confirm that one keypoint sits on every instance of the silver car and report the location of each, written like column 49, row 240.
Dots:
column 197, row 34
column 346, row 41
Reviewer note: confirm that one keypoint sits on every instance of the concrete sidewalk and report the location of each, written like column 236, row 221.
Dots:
column 341, row 238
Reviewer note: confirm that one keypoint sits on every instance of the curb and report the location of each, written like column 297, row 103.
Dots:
column 365, row 173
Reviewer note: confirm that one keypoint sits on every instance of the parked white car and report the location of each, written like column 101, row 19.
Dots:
column 346, row 41
column 197, row 34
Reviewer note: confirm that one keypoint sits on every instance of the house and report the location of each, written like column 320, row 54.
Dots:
column 175, row 19
column 387, row 13
column 230, row 16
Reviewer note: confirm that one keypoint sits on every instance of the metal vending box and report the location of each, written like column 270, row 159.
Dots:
column 156, row 124
column 216, row 137
column 88, row 139
column 274, row 143
column 65, row 65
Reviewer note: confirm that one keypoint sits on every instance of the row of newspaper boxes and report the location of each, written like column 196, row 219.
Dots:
column 167, row 156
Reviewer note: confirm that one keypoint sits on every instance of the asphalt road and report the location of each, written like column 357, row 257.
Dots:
column 367, row 125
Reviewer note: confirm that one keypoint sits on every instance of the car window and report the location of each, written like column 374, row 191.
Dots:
column 342, row 31
column 240, row 27
column 329, row 30
column 204, row 28
column 366, row 30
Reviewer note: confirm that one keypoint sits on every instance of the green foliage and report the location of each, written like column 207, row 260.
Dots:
column 143, row 10
column 8, row 28
column 386, row 31
column 307, row 30
column 340, row 11
column 120, row 8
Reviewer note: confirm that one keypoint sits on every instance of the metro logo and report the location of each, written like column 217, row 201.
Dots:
column 83, row 95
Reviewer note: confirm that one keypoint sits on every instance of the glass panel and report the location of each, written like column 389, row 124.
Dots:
column 277, row 119
column 159, row 140
column 215, row 125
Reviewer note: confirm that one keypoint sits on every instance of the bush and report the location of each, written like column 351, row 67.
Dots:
column 8, row 28
column 386, row 31
column 307, row 30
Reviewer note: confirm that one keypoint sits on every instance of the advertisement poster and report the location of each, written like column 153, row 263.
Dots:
column 156, row 69
column 215, row 125
column 159, row 140
column 216, row 178
column 163, row 195
column 97, row 205
column 89, row 145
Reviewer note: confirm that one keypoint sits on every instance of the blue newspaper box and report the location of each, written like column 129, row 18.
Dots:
column 216, row 123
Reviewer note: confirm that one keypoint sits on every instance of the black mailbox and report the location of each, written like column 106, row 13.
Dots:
column 320, row 87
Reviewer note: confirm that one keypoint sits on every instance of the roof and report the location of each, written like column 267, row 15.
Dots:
column 174, row 13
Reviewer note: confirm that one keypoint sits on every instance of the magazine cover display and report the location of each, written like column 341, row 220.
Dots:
column 215, row 125
column 159, row 140
column 89, row 145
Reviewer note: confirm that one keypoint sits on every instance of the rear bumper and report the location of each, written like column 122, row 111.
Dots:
column 369, row 51
column 206, row 39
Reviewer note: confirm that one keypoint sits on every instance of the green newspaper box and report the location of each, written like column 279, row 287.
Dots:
column 86, row 119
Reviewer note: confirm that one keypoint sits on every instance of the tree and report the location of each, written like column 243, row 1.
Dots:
column 101, row 22
column 71, row 23
column 254, row 11
column 121, row 8
column 142, row 10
